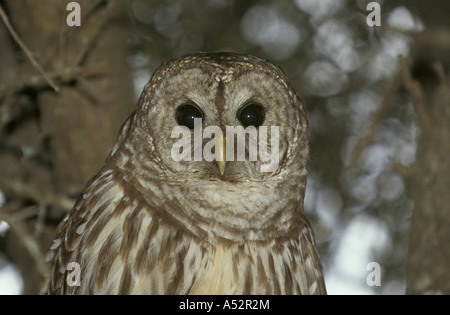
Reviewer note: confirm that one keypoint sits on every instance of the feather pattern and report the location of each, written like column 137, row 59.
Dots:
column 146, row 225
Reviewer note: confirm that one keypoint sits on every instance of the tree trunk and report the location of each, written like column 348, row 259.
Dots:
column 54, row 142
column 428, row 266
column 428, row 180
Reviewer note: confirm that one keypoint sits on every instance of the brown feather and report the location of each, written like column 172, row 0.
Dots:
column 146, row 224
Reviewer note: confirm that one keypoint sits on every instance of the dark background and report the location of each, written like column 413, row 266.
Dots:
column 378, row 101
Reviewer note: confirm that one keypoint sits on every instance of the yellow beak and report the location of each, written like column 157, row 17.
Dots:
column 221, row 151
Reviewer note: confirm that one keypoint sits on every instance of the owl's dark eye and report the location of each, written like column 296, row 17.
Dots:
column 186, row 113
column 251, row 115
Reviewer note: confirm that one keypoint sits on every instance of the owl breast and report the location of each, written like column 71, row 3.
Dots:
column 127, row 245
column 256, row 268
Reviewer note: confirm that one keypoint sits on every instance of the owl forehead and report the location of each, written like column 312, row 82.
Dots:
column 226, row 80
column 219, row 72
column 216, row 74
column 222, row 67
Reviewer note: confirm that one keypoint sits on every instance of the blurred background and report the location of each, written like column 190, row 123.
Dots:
column 365, row 117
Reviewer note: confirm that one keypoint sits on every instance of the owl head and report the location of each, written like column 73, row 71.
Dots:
column 223, row 117
column 224, row 138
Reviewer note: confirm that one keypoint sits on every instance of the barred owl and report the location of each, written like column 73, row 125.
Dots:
column 149, row 223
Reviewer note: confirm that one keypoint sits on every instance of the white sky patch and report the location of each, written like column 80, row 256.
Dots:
column 335, row 40
column 329, row 205
column 400, row 18
column 11, row 282
column 265, row 27
column 4, row 227
column 349, row 269
column 324, row 78
column 320, row 8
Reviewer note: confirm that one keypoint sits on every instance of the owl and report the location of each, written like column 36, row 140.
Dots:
column 157, row 220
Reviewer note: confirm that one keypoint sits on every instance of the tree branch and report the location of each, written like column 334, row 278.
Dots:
column 27, row 52
column 417, row 95
column 21, row 189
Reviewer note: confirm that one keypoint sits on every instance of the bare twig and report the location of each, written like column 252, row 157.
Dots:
column 439, row 69
column 401, row 169
column 27, row 52
column 37, row 82
column 21, row 189
column 417, row 94
column 21, row 214
column 88, row 42
column 40, row 222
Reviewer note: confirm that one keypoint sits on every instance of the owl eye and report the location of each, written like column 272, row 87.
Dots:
column 186, row 113
column 251, row 115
